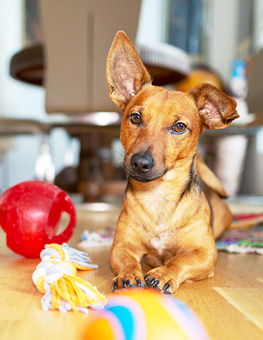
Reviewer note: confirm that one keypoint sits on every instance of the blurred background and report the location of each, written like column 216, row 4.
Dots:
column 56, row 121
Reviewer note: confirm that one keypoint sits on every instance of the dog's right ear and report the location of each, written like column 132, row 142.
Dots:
column 216, row 109
column 126, row 74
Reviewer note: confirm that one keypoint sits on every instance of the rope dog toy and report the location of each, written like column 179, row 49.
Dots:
column 55, row 276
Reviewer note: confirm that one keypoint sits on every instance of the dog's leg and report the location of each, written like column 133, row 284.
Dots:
column 126, row 265
column 195, row 265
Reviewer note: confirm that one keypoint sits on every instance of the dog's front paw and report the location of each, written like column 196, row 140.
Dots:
column 160, row 279
column 127, row 281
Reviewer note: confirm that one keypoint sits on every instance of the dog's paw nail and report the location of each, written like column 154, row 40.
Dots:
column 128, row 283
column 123, row 284
column 146, row 277
column 140, row 284
column 166, row 288
column 155, row 284
column 115, row 286
column 153, row 281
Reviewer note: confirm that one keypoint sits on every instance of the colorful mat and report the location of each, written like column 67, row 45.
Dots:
column 244, row 236
column 102, row 237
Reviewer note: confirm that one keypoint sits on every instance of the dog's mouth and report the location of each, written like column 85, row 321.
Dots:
column 147, row 178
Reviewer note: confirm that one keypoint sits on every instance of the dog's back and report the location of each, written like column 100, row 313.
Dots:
column 221, row 217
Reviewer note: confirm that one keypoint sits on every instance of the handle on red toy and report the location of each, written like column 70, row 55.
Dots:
column 3, row 217
column 65, row 204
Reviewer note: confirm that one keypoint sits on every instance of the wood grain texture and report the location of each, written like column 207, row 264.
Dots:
column 230, row 304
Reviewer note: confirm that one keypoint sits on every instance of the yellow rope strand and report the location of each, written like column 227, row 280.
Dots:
column 58, row 248
column 99, row 296
column 70, row 288
column 56, row 299
column 40, row 284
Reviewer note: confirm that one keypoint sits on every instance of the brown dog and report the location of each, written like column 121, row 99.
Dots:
column 165, row 214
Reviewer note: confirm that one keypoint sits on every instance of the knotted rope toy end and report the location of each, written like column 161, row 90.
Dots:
column 55, row 276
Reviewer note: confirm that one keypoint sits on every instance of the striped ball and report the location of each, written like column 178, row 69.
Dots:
column 145, row 315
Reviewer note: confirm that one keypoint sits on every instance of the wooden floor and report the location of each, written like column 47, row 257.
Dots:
column 230, row 305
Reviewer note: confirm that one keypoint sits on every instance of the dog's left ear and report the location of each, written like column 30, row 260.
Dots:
column 126, row 73
column 216, row 109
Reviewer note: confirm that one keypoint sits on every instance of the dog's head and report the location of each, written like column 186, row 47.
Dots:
column 160, row 127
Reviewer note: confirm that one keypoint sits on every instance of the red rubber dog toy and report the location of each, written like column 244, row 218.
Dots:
column 30, row 213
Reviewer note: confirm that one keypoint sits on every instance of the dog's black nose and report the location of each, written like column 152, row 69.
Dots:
column 142, row 163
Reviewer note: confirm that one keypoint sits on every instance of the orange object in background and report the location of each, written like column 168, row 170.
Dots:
column 199, row 76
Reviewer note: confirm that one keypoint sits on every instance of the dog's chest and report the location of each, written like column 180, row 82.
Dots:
column 157, row 215
column 159, row 242
column 157, row 204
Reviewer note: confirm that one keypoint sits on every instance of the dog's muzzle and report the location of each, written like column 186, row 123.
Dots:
column 142, row 168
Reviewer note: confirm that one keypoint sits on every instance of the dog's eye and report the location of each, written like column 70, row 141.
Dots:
column 179, row 127
column 135, row 118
